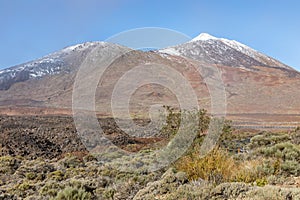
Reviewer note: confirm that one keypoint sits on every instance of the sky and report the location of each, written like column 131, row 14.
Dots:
column 33, row 28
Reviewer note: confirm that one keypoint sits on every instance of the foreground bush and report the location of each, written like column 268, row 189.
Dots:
column 287, row 156
column 173, row 120
column 219, row 166
column 216, row 167
column 70, row 193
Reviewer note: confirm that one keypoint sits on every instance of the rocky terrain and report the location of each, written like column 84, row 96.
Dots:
column 43, row 158
column 50, row 137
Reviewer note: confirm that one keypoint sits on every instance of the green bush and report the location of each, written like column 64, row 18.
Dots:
column 8, row 164
column 51, row 188
column 56, row 175
column 25, row 186
column 173, row 120
column 109, row 193
column 30, row 175
column 291, row 167
column 295, row 137
column 70, row 193
column 285, row 151
column 261, row 182
column 268, row 139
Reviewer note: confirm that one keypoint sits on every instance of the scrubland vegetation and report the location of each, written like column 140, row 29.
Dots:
column 245, row 164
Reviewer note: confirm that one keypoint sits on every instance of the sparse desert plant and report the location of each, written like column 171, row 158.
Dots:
column 247, row 172
column 235, row 141
column 8, row 164
column 285, row 151
column 56, row 175
column 261, row 182
column 279, row 180
column 220, row 166
column 295, row 137
column 89, row 158
column 51, row 189
column 259, row 140
column 173, row 120
column 291, row 167
column 70, row 193
column 21, row 189
column 25, row 186
column 109, row 193
column 70, row 161
column 271, row 193
column 217, row 166
column 288, row 154
column 31, row 175
column 227, row 128
column 268, row 139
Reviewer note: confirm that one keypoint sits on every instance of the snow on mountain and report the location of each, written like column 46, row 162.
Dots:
column 83, row 46
column 204, row 37
column 212, row 51
column 232, row 43
column 62, row 61
column 206, row 47
column 253, row 53
column 170, row 50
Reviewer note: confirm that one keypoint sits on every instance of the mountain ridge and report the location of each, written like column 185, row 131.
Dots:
column 54, row 63
column 254, row 84
column 53, row 58
column 209, row 40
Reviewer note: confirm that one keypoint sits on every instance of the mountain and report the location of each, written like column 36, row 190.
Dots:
column 45, row 83
column 63, row 61
column 258, row 87
column 225, row 52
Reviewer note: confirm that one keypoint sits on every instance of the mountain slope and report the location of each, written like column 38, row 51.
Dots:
column 257, row 87
column 63, row 61
column 223, row 52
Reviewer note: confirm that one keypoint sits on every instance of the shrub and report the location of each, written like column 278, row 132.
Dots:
column 291, row 167
column 248, row 172
column 219, row 166
column 70, row 161
column 278, row 180
column 70, row 193
column 271, row 193
column 285, row 151
column 109, row 193
column 269, row 139
column 173, row 120
column 30, row 175
column 8, row 164
column 51, row 188
column 24, row 186
column 227, row 128
column 258, row 141
column 56, row 175
column 216, row 167
column 295, row 137
column 261, row 182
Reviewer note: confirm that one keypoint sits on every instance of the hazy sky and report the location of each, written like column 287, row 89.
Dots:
column 33, row 28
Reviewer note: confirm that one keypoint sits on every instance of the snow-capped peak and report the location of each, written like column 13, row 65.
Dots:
column 231, row 43
column 222, row 50
column 203, row 37
column 82, row 46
